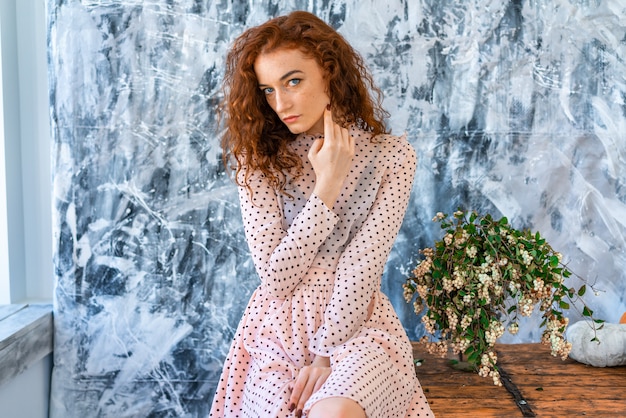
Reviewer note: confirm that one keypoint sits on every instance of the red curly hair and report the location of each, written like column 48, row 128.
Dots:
column 255, row 138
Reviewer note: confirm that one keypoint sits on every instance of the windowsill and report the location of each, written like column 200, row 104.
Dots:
column 26, row 333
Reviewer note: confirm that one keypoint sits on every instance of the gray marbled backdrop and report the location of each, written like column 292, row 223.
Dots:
column 514, row 107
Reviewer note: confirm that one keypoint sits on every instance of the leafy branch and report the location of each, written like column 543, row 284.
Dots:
column 482, row 275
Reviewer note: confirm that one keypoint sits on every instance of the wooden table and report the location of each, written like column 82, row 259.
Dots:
column 535, row 384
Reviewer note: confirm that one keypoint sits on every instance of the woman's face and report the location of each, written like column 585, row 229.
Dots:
column 295, row 89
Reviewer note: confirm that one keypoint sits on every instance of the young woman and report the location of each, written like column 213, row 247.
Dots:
column 323, row 190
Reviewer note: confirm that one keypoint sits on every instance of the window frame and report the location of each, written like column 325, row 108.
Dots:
column 26, row 254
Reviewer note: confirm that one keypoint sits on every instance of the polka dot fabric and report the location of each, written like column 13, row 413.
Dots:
column 320, row 271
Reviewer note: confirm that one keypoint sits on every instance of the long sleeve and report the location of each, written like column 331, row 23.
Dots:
column 363, row 261
column 282, row 256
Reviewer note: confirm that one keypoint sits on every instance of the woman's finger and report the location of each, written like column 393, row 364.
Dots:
column 345, row 136
column 298, row 388
column 351, row 143
column 316, row 146
column 329, row 124
column 318, row 384
column 308, row 381
column 307, row 391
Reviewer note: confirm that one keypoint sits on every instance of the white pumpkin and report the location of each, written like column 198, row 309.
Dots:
column 609, row 351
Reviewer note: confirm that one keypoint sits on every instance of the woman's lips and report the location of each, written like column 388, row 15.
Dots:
column 290, row 119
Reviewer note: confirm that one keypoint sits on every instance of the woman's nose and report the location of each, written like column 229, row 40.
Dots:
column 282, row 101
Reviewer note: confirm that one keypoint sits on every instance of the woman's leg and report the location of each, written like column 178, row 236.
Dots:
column 336, row 408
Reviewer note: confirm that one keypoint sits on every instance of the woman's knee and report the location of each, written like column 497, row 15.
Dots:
column 336, row 408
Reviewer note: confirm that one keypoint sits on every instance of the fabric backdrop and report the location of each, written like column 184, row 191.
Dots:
column 517, row 108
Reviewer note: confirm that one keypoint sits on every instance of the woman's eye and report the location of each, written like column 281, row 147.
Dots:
column 267, row 90
column 294, row 81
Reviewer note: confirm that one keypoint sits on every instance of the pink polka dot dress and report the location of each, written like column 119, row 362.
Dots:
column 320, row 294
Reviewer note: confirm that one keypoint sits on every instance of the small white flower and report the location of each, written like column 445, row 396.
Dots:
column 439, row 216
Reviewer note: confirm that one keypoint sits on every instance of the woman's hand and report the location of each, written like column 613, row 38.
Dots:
column 331, row 158
column 309, row 380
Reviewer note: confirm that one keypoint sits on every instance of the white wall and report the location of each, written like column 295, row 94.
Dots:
column 5, row 285
column 35, row 139
column 26, row 271
column 27, row 396
column 12, row 153
column 27, row 225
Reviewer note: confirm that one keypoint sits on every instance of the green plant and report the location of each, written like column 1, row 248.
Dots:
column 484, row 275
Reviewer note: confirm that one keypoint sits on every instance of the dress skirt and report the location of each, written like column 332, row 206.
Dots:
column 374, row 368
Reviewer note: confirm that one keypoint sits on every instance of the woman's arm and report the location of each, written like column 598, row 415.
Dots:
column 363, row 261
column 282, row 256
